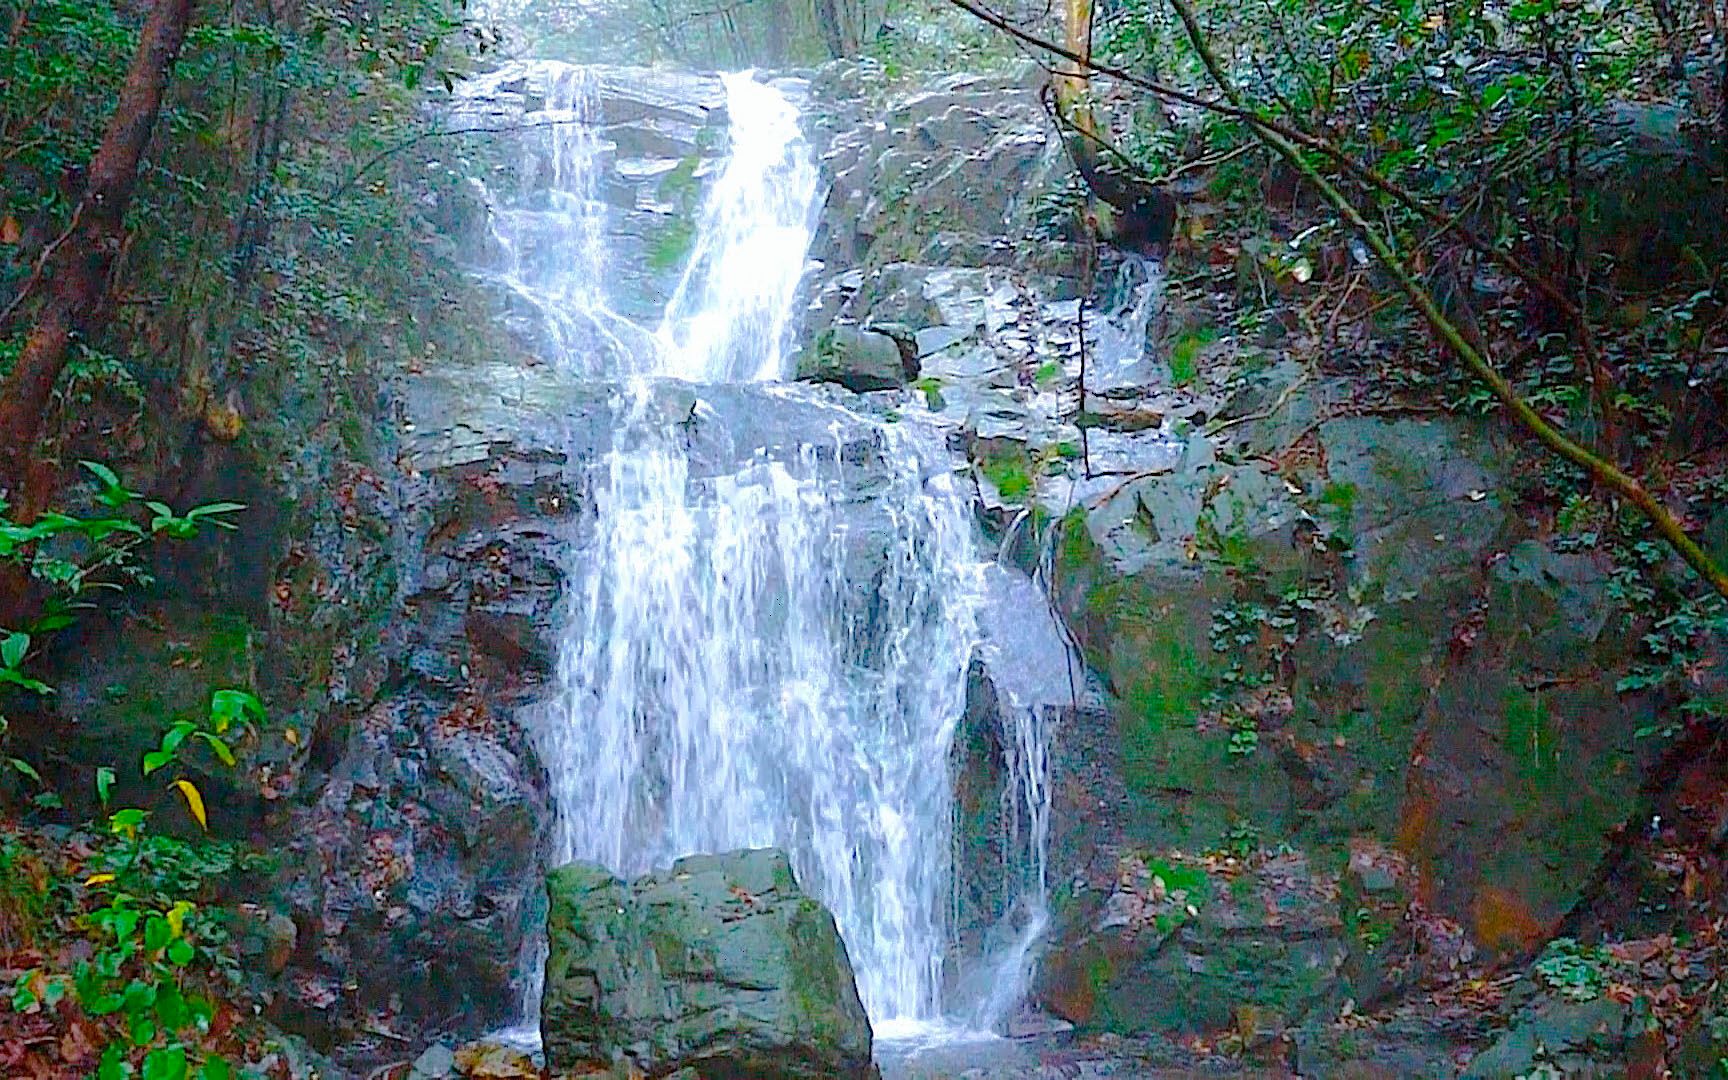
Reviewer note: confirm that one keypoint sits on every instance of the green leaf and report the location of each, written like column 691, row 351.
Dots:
column 13, row 648
column 216, row 1067
column 170, row 1008
column 104, row 1004
column 113, row 1065
column 220, row 748
column 27, row 769
column 23, row 997
column 102, row 473
column 181, row 952
column 11, row 677
column 157, row 933
column 229, row 706
column 213, row 511
column 104, row 783
column 168, row 1063
column 143, row 1028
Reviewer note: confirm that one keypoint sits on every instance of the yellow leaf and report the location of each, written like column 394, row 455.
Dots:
column 292, row 736
column 194, row 801
column 98, row 879
column 177, row 917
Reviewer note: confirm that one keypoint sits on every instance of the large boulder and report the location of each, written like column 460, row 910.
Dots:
column 861, row 360
column 721, row 964
column 1365, row 655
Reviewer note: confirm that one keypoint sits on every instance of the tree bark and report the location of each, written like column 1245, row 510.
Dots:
column 79, row 271
column 828, row 24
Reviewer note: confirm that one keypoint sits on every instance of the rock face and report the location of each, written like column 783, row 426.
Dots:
column 1324, row 630
column 859, row 360
column 720, row 964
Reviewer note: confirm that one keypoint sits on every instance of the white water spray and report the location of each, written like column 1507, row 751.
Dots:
column 775, row 655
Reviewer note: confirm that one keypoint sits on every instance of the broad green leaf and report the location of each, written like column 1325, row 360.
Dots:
column 11, row 677
column 104, row 783
column 102, row 473
column 229, row 706
column 168, row 1063
column 171, row 740
column 216, row 1067
column 13, row 648
column 113, row 1065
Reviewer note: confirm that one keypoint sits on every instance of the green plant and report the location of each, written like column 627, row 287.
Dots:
column 1241, row 839
column 1577, row 973
column 149, row 943
column 931, row 387
column 1244, row 733
column 1185, row 353
column 76, row 557
column 151, row 946
column 1010, row 475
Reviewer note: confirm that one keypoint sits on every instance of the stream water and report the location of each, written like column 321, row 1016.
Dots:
column 778, row 654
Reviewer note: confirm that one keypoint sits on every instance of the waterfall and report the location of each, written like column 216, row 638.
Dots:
column 729, row 319
column 773, row 652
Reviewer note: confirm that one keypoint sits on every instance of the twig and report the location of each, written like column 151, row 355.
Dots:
column 1271, row 411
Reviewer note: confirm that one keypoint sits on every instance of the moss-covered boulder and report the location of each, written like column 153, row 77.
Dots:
column 721, row 964
column 1344, row 638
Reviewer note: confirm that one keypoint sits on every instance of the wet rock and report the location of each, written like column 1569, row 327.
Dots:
column 861, row 360
column 927, row 162
column 437, row 1063
column 1179, row 947
column 720, row 963
column 263, row 938
column 1585, row 1039
column 485, row 1060
column 1441, row 682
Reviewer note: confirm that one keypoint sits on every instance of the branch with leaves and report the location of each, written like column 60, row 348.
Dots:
column 1289, row 143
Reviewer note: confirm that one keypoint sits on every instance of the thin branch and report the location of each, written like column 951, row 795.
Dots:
column 1237, row 110
column 1603, row 471
column 396, row 148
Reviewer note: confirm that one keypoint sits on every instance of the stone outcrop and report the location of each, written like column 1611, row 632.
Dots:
column 1324, row 630
column 720, row 965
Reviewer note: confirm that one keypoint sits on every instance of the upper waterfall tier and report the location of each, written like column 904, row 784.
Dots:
column 650, row 224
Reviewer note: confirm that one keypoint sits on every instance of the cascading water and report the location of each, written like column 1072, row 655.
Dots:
column 552, row 248
column 729, row 318
column 769, row 653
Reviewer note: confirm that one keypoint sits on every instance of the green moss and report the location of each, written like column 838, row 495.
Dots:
column 1185, row 353
column 1010, row 473
column 671, row 244
column 1074, row 546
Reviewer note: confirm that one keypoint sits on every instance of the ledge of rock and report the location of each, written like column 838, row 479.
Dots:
column 720, row 965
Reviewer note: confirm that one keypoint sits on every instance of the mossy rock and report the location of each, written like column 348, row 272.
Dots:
column 721, row 963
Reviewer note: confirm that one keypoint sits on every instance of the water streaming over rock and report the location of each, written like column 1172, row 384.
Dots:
column 766, row 633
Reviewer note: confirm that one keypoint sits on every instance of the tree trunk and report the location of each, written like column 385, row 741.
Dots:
column 80, row 268
column 1071, row 79
column 828, row 24
column 1130, row 212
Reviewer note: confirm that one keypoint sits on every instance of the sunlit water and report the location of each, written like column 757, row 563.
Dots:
column 778, row 655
